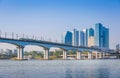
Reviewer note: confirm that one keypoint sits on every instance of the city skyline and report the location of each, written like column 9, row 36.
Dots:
column 99, row 36
column 50, row 18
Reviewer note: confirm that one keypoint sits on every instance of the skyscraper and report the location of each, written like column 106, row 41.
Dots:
column 84, row 37
column 67, row 38
column 90, row 32
column 101, row 36
column 82, row 40
column 117, row 47
column 75, row 38
column 91, row 40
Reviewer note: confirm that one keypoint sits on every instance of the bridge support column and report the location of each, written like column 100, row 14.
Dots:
column 46, row 54
column 96, row 55
column 107, row 55
column 79, row 55
column 64, row 55
column 20, row 53
column 89, row 55
column 100, row 55
column 103, row 55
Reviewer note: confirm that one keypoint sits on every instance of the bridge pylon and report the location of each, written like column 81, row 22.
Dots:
column 46, row 54
column 20, row 53
column 64, row 54
column 79, row 55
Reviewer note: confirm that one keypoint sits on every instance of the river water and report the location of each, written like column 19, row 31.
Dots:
column 60, row 69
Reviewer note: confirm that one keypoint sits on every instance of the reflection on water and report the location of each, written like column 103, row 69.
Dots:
column 68, row 73
column 60, row 69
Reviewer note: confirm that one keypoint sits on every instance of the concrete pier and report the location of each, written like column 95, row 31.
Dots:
column 64, row 55
column 103, row 55
column 79, row 55
column 100, row 55
column 20, row 53
column 89, row 55
column 96, row 55
column 46, row 54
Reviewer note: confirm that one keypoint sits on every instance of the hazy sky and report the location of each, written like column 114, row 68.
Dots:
column 50, row 18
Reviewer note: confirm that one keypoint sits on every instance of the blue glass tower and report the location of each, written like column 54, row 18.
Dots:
column 68, row 38
column 90, row 32
column 101, row 36
column 82, row 40
column 75, row 38
column 84, row 37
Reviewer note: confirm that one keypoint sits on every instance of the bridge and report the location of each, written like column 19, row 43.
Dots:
column 22, row 42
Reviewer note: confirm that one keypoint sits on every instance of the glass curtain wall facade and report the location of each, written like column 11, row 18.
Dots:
column 84, row 37
column 101, row 36
column 75, row 38
column 67, row 39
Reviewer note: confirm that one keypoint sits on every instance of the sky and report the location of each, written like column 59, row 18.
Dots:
column 50, row 18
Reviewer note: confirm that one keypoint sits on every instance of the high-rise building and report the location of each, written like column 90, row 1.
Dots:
column 84, row 37
column 118, row 47
column 67, row 38
column 8, row 51
column 91, row 40
column 90, row 32
column 82, row 40
column 101, row 36
column 75, row 38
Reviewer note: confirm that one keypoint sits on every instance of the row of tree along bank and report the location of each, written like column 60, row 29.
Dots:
column 39, row 55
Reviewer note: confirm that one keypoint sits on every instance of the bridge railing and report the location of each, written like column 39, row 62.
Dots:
column 12, row 35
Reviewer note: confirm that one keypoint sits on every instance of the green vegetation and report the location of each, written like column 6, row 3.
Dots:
column 55, row 55
column 5, row 56
column 34, row 54
column 85, row 52
column 71, row 52
column 40, row 55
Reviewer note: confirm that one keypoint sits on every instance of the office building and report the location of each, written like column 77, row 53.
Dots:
column 8, row 52
column 91, row 39
column 75, row 37
column 82, row 40
column 118, row 47
column 67, row 38
column 101, row 36
column 84, row 37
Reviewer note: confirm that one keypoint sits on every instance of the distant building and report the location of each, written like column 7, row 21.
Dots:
column 15, row 51
column 67, row 38
column 118, row 47
column 90, row 32
column 84, row 37
column 91, row 38
column 82, row 40
column 75, row 37
column 101, row 36
column 91, row 41
column 8, row 52
column 1, row 51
